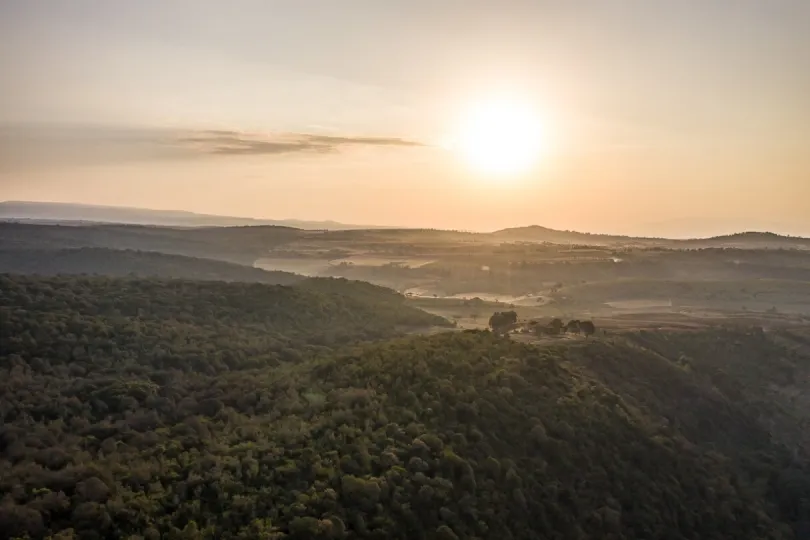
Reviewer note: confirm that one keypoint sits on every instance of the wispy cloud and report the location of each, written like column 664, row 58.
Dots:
column 37, row 145
column 238, row 143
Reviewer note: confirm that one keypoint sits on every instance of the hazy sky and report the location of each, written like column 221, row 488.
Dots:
column 672, row 117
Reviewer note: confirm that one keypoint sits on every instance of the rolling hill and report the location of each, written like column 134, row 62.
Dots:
column 207, row 410
column 81, row 214
column 746, row 240
column 242, row 245
column 116, row 262
column 246, row 244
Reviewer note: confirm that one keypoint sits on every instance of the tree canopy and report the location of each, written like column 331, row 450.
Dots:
column 171, row 409
column 501, row 321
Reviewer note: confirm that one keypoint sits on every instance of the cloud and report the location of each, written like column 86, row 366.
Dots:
column 24, row 146
column 370, row 141
column 238, row 143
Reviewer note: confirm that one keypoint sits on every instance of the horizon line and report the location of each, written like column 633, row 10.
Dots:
column 344, row 226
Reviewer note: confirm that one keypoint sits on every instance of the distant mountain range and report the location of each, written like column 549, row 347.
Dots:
column 81, row 214
column 59, row 212
column 748, row 240
column 536, row 233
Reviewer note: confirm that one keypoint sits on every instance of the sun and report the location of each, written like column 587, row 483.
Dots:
column 500, row 137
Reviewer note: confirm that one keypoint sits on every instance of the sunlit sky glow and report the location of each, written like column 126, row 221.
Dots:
column 500, row 136
column 647, row 117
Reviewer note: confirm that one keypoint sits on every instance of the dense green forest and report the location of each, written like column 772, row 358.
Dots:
column 153, row 409
column 126, row 262
column 203, row 319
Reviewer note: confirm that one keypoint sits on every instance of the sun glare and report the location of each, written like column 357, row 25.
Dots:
column 500, row 137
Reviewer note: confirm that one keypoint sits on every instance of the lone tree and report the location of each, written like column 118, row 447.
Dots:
column 587, row 328
column 555, row 326
column 502, row 320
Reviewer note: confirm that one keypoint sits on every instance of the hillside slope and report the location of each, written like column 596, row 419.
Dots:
column 116, row 262
column 242, row 245
column 741, row 393
column 210, row 410
column 270, row 321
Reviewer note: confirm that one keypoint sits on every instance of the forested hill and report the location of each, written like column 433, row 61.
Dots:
column 241, row 245
column 215, row 322
column 115, row 262
column 172, row 409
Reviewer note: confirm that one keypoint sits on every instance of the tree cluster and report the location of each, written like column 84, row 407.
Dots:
column 503, row 321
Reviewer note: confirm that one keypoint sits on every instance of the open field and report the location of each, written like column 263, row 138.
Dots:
column 301, row 265
column 640, row 305
column 754, row 295
column 470, row 315
column 475, row 313
column 323, row 266
column 360, row 260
